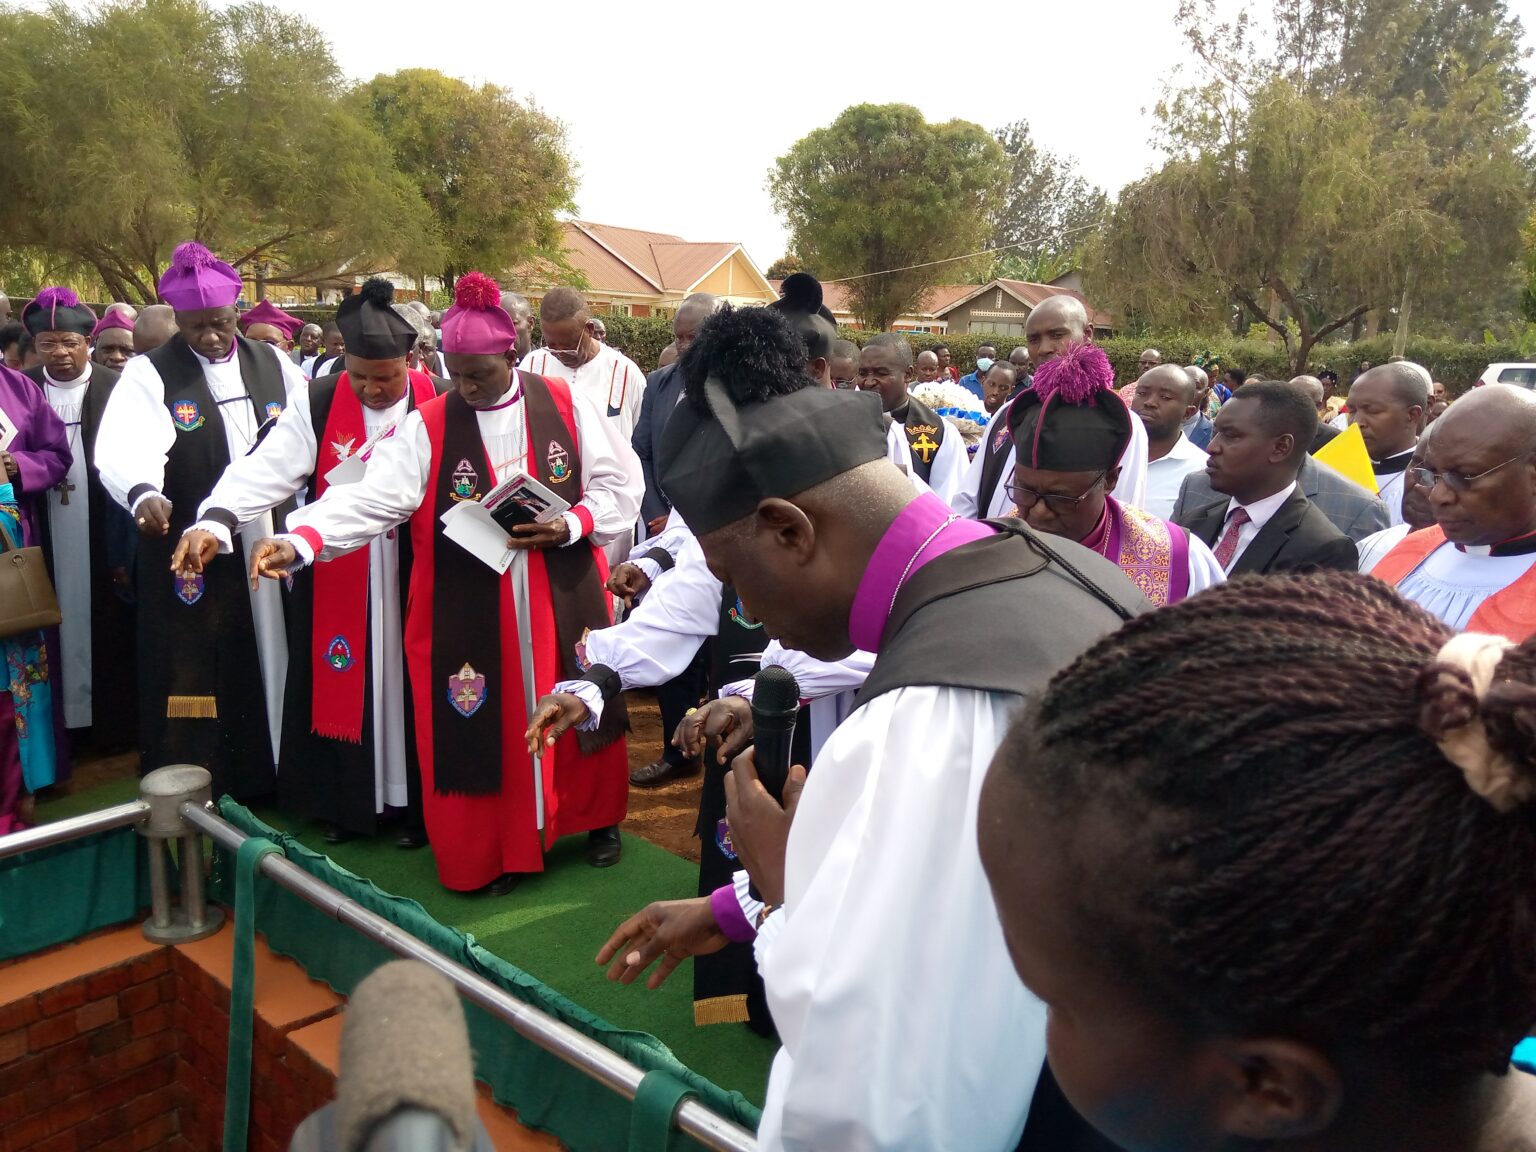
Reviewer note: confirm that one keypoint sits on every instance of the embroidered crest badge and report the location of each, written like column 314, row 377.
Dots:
column 466, row 481
column 581, row 650
column 739, row 615
column 1001, row 437
column 274, row 410
column 920, row 438
column 466, row 691
column 559, row 463
column 338, row 654
column 344, row 448
column 723, row 839
column 189, row 589
column 186, row 416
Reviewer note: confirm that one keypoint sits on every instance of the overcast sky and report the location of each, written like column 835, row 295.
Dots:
column 675, row 113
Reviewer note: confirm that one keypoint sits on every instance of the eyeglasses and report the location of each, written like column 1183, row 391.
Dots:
column 1023, row 497
column 71, row 344
column 1456, row 481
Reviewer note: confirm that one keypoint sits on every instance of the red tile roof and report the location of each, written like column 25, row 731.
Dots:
column 631, row 260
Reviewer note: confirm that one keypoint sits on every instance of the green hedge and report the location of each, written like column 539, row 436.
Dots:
column 1457, row 364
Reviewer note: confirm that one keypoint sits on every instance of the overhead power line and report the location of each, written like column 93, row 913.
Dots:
column 952, row 259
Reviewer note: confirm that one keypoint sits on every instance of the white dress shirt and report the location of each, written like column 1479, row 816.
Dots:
column 1166, row 474
column 611, row 380
column 1453, row 582
column 1260, row 513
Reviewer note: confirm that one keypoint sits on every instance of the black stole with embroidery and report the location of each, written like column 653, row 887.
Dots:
column 467, row 661
column 925, row 432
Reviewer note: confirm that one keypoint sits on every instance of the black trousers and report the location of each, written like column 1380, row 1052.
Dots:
column 676, row 696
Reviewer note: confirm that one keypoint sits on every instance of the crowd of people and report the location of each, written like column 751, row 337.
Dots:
column 1132, row 734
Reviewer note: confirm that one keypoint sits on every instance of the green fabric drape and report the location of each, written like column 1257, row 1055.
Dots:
column 242, row 994
column 547, row 1093
column 61, row 893
column 656, row 1102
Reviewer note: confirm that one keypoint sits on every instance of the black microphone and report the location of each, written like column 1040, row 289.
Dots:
column 407, row 1080
column 775, row 704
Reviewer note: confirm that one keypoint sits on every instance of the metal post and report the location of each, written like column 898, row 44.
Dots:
column 165, row 790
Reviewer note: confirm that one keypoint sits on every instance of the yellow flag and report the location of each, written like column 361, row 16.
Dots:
column 1346, row 454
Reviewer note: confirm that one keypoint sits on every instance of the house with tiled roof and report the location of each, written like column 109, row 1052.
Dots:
column 637, row 273
column 999, row 307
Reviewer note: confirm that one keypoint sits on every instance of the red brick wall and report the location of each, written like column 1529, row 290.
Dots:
column 91, row 1063
column 285, row 1085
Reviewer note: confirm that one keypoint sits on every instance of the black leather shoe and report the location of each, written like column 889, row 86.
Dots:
column 603, row 847
column 334, row 834
column 663, row 771
column 503, row 884
column 411, row 838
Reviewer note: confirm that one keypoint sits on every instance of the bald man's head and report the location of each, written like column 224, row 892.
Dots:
column 697, row 308
column 1389, row 404
column 927, row 366
column 156, row 324
column 1054, row 324
column 1164, row 399
column 1484, row 449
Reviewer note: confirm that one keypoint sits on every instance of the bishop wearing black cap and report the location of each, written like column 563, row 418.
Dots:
column 347, row 752
column 876, row 932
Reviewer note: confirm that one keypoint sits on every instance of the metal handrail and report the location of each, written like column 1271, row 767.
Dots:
column 73, row 828
column 580, row 1051
column 599, row 1062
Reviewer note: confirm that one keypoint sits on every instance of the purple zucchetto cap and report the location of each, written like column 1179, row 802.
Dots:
column 198, row 279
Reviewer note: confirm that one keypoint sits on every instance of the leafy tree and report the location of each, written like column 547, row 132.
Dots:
column 1378, row 158
column 494, row 170
column 1049, row 212
column 785, row 266
column 882, row 195
column 132, row 127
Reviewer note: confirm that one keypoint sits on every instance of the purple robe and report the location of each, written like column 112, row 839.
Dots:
column 41, row 452
column 41, row 447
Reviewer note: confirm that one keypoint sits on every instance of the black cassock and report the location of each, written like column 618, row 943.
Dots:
column 201, row 699
column 114, row 687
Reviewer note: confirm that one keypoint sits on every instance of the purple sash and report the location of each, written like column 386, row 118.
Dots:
column 1152, row 552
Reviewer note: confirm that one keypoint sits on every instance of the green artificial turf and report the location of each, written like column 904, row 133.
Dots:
column 551, row 926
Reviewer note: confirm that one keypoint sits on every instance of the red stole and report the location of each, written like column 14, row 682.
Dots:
column 479, row 835
column 338, row 644
column 1509, row 612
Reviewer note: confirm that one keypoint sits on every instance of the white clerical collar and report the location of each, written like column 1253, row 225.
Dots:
column 83, row 378
column 224, row 360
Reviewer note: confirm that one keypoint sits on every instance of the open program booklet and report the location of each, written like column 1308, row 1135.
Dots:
column 481, row 527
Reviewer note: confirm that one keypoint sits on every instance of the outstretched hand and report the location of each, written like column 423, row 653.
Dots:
column 194, row 552
column 629, row 582
column 760, row 824
column 274, row 560
column 671, row 930
column 728, row 720
column 553, row 717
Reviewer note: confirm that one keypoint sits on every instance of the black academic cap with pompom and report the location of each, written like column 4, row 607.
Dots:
column 802, row 293
column 371, row 328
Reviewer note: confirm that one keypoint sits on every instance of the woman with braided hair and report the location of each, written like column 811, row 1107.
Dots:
column 1303, row 922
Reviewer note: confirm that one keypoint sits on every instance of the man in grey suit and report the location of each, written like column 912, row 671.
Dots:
column 1355, row 511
